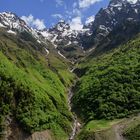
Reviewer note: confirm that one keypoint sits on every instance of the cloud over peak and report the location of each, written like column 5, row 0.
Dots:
column 35, row 23
column 76, row 23
column 58, row 16
column 87, row 3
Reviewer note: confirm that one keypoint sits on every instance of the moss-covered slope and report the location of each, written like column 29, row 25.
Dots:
column 33, row 86
column 110, row 87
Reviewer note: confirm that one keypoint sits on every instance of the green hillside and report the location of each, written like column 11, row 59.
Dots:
column 110, row 87
column 33, row 88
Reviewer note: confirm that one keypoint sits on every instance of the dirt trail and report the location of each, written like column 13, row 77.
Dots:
column 118, row 129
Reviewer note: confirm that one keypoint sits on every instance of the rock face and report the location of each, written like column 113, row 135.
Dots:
column 19, row 135
column 13, row 23
column 14, row 132
column 106, row 20
column 62, row 36
column 109, row 18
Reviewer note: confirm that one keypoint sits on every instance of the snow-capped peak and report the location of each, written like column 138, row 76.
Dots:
column 8, row 14
column 61, row 33
column 132, row 1
column 114, row 15
column 12, row 21
column 15, row 24
column 120, row 2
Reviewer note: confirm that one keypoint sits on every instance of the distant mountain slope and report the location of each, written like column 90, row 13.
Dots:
column 62, row 37
column 119, row 35
column 66, row 40
column 117, row 12
column 71, row 43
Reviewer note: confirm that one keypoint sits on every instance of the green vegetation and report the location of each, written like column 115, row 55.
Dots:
column 72, row 52
column 97, row 129
column 95, row 125
column 110, row 87
column 32, row 88
column 133, row 129
column 86, row 135
column 133, row 134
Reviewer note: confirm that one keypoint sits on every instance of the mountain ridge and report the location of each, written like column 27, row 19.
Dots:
column 69, row 41
column 37, row 68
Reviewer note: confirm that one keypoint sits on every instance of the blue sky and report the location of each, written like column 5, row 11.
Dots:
column 45, row 13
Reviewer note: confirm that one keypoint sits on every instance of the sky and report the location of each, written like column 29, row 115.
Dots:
column 46, row 13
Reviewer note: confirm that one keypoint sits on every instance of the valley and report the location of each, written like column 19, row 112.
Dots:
column 64, row 84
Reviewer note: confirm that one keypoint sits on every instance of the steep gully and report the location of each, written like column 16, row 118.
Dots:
column 76, row 124
column 117, row 128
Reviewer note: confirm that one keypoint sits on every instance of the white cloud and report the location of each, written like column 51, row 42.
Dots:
column 76, row 23
column 76, row 12
column 59, row 2
column 59, row 16
column 35, row 23
column 74, row 5
column 87, row 3
column 90, row 19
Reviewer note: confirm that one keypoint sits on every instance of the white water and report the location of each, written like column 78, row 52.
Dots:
column 76, row 124
column 47, row 51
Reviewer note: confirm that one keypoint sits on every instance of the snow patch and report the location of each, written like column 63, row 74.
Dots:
column 39, row 41
column 11, row 32
column 132, row 1
column 47, row 51
column 136, row 10
column 91, row 49
column 53, row 40
column 1, row 25
column 46, row 34
column 61, row 54
column 69, row 43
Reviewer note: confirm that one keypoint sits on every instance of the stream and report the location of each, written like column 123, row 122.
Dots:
column 76, row 124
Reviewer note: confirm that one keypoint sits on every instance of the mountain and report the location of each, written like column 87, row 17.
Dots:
column 72, row 43
column 32, row 86
column 62, row 34
column 65, row 40
column 107, row 77
column 108, row 87
column 122, row 34
column 107, row 90
column 36, row 72
column 107, row 19
column 15, row 24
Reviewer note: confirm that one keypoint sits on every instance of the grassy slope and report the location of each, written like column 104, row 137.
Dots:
column 109, row 89
column 131, row 132
column 33, row 87
column 98, row 130
column 127, row 128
